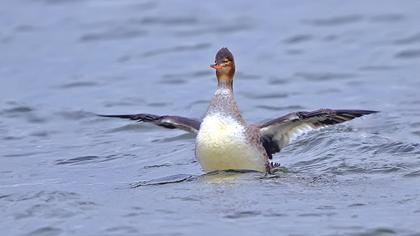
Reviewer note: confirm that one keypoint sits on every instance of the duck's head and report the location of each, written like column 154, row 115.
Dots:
column 224, row 65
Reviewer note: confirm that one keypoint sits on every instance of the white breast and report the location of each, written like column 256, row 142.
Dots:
column 222, row 145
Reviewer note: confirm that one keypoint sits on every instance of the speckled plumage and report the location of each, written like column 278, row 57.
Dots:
column 225, row 141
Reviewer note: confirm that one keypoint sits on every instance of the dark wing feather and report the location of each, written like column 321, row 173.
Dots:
column 277, row 133
column 169, row 122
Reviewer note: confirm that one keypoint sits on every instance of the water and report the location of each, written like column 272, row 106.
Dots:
column 64, row 171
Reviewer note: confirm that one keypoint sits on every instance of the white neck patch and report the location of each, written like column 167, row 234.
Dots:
column 222, row 91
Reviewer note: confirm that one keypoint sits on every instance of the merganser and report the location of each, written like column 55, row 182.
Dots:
column 224, row 141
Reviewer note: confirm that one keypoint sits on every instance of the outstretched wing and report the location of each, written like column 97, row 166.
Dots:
column 169, row 122
column 277, row 133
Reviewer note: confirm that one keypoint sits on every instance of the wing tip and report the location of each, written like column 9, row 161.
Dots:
column 358, row 112
column 370, row 111
column 115, row 116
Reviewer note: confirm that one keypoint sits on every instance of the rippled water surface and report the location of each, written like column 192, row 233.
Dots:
column 64, row 171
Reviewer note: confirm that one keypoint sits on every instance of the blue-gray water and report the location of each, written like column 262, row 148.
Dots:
column 64, row 171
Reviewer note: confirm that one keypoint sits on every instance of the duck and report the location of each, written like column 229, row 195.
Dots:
column 225, row 141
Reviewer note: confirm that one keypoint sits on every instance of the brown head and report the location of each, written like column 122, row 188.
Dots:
column 224, row 66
